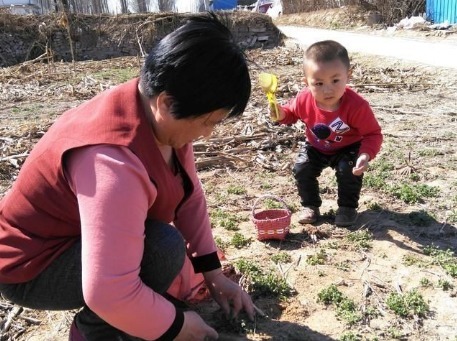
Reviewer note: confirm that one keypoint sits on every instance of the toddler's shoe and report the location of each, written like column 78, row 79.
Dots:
column 309, row 215
column 345, row 216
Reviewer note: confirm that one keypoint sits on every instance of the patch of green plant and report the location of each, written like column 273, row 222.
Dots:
column 425, row 282
column 408, row 304
column 350, row 336
column 220, row 196
column 266, row 185
column 374, row 206
column 414, row 177
column 329, row 214
column 345, row 307
column 264, row 283
column 343, row 266
column 295, row 207
column 421, row 218
column 380, row 170
column 281, row 257
column 361, row 238
column 452, row 217
column 224, row 219
column 414, row 193
column 428, row 152
column 236, row 189
column 394, row 333
column 239, row 241
column 330, row 295
column 272, row 284
column 346, row 310
column 272, row 204
column 445, row 284
column 247, row 267
column 444, row 258
column 411, row 259
column 382, row 164
column 376, row 181
column 318, row 258
column 332, row 245
column 117, row 75
column 221, row 244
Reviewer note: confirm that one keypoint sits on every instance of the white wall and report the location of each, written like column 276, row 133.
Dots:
column 114, row 6
column 192, row 6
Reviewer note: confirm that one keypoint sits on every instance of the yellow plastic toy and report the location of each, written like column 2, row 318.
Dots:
column 269, row 84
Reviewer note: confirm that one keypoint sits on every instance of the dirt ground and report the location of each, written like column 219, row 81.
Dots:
column 408, row 204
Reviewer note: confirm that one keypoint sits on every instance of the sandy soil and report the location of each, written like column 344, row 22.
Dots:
column 382, row 254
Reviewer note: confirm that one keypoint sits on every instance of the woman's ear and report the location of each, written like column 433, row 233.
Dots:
column 164, row 103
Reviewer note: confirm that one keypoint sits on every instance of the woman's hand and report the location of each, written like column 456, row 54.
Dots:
column 195, row 329
column 361, row 164
column 229, row 295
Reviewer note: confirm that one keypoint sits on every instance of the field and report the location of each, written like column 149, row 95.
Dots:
column 391, row 276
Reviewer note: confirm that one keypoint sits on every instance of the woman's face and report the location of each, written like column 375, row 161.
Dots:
column 177, row 133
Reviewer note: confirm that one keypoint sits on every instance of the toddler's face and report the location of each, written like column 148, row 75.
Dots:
column 327, row 82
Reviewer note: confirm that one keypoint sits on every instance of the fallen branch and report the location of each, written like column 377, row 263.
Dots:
column 9, row 319
column 11, row 157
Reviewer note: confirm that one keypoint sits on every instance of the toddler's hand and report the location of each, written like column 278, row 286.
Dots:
column 275, row 112
column 361, row 164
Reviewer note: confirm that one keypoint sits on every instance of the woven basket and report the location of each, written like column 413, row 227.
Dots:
column 271, row 223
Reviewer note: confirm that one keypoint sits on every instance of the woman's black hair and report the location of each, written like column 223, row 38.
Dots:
column 201, row 67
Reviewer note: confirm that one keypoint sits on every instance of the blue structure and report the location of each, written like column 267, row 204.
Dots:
column 440, row 11
column 224, row 4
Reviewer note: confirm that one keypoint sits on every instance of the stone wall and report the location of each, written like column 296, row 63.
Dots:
column 99, row 37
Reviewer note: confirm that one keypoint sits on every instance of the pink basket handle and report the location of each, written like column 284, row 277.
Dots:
column 268, row 196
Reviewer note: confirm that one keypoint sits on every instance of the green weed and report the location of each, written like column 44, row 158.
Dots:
column 266, row 185
column 425, row 282
column 410, row 259
column 224, row 219
column 264, row 283
column 272, row 204
column 445, row 285
column 318, row 258
column 361, row 238
column 452, row 218
column 239, row 241
column 374, row 206
column 443, row 258
column 221, row 244
column 350, row 336
column 281, row 257
column 421, row 218
column 376, row 181
column 236, row 189
column 345, row 307
column 429, row 152
column 413, row 193
column 330, row 295
column 394, row 333
column 408, row 304
column 332, row 245
column 343, row 266
column 117, row 75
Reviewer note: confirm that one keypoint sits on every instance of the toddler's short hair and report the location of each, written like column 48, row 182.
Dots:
column 327, row 51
